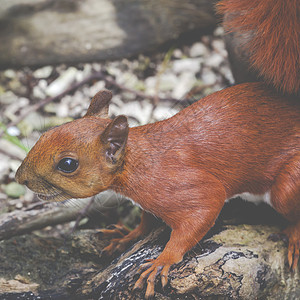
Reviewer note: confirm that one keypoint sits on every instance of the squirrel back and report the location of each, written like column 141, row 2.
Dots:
column 265, row 35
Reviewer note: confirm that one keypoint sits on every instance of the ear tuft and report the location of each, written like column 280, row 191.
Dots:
column 114, row 138
column 99, row 105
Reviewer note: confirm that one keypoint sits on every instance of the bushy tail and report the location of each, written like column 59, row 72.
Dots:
column 274, row 46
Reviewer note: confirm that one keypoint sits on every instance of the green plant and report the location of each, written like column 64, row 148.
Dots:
column 13, row 139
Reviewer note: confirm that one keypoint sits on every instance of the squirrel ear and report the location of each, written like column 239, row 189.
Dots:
column 99, row 105
column 114, row 138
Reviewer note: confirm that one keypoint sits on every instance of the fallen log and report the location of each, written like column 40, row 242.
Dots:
column 238, row 261
column 37, row 33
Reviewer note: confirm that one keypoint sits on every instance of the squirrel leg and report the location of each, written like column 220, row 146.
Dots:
column 285, row 197
column 188, row 229
column 120, row 244
column 173, row 253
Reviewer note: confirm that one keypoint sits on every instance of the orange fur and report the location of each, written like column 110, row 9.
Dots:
column 242, row 139
column 273, row 32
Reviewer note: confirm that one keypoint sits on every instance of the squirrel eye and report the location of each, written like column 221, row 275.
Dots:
column 68, row 165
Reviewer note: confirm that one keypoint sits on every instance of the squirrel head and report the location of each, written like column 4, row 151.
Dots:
column 78, row 159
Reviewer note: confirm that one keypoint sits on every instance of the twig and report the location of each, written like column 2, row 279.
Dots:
column 15, row 157
column 41, row 215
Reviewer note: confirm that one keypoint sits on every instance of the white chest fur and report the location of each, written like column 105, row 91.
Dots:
column 256, row 199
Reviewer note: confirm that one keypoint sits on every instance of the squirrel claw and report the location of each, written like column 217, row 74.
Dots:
column 293, row 255
column 150, row 274
column 140, row 282
column 164, row 275
column 150, row 285
column 293, row 233
column 108, row 250
column 142, row 267
column 114, row 230
column 117, row 244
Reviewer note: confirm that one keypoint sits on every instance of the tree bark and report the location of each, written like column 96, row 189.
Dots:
column 35, row 33
column 45, row 214
column 233, row 262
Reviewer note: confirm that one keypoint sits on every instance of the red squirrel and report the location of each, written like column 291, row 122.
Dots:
column 244, row 140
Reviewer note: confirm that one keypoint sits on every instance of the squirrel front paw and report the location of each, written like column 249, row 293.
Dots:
column 155, row 268
column 121, row 238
